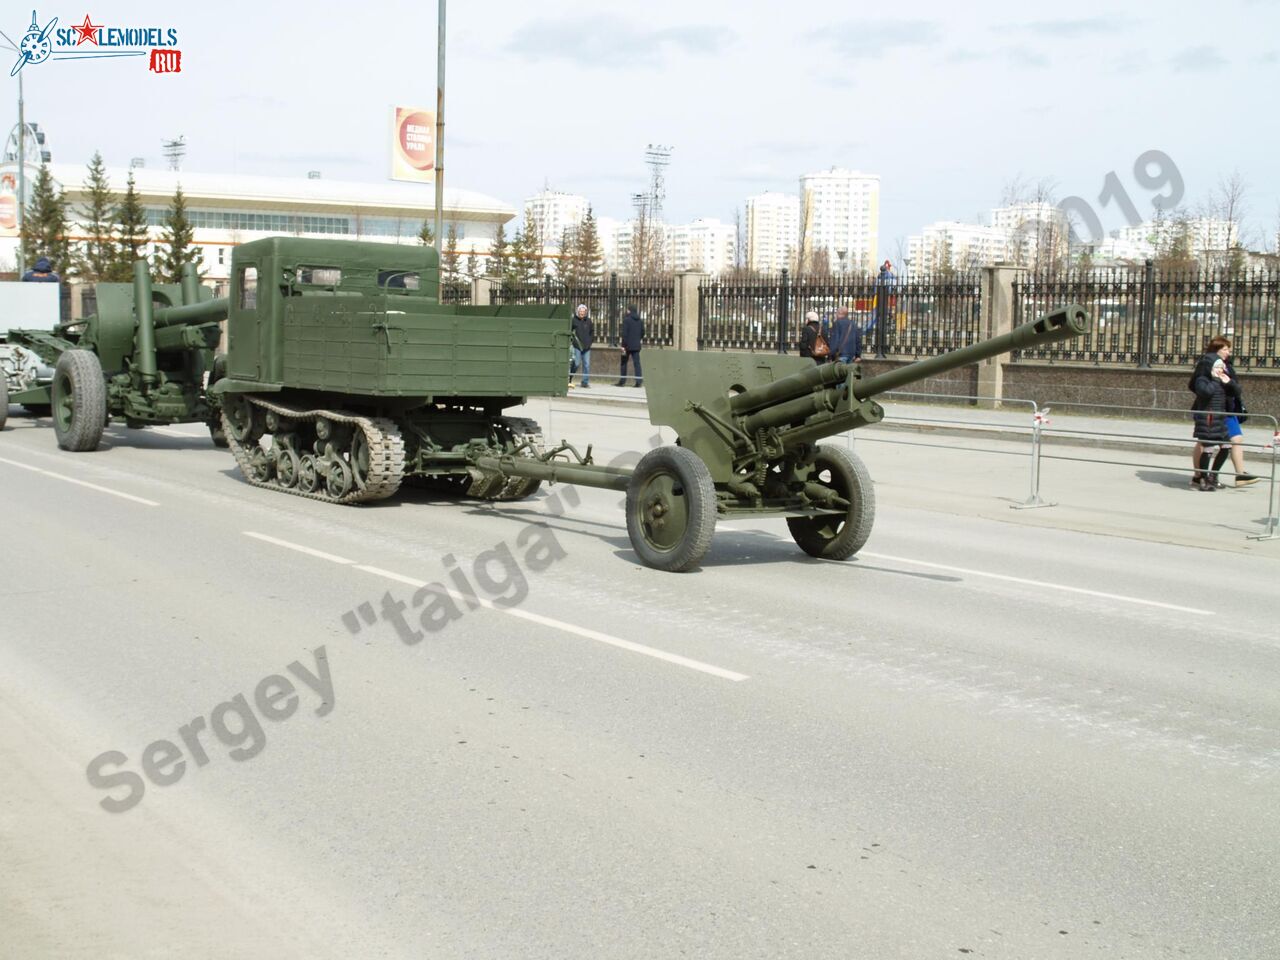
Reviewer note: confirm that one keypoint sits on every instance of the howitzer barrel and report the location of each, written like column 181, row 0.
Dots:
column 210, row 311
column 1061, row 324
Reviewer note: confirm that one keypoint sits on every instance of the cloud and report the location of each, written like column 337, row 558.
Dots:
column 1198, row 59
column 870, row 39
column 1078, row 27
column 609, row 41
column 1019, row 55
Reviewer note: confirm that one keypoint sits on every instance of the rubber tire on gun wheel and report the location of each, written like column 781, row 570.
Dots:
column 678, row 480
column 79, row 395
column 4, row 400
column 832, row 537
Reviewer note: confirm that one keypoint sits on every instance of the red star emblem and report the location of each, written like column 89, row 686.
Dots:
column 88, row 31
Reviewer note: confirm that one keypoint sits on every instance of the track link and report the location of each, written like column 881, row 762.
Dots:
column 386, row 453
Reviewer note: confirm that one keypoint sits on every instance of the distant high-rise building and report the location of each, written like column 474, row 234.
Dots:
column 554, row 213
column 840, row 213
column 950, row 244
column 773, row 229
column 706, row 245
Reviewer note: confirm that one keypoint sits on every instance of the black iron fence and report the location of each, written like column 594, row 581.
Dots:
column 900, row 318
column 1147, row 317
column 457, row 293
column 606, row 300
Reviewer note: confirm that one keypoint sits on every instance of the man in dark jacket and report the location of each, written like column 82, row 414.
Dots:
column 584, row 334
column 844, row 338
column 42, row 272
column 632, row 337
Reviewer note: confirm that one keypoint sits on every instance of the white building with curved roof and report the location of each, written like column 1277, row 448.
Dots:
column 228, row 209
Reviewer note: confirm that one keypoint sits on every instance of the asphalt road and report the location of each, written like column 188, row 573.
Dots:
column 987, row 736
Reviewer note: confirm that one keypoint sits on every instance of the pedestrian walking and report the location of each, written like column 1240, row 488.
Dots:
column 631, row 340
column 1218, row 351
column 1210, row 419
column 584, row 334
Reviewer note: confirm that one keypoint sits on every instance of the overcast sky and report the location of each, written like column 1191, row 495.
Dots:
column 945, row 101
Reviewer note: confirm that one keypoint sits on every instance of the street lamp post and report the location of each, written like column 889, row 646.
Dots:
column 22, row 165
column 439, row 165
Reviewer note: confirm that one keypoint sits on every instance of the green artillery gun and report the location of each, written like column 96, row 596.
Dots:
column 145, row 356
column 747, row 431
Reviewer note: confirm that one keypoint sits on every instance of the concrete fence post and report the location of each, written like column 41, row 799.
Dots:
column 482, row 291
column 996, row 318
column 687, row 283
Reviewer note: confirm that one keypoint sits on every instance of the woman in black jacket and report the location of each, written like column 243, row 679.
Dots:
column 1211, row 417
column 809, row 337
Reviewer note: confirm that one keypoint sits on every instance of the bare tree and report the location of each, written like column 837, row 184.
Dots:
column 803, row 252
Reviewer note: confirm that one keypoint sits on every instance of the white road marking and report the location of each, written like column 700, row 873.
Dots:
column 332, row 558
column 82, row 483
column 585, row 632
column 1041, row 584
column 521, row 614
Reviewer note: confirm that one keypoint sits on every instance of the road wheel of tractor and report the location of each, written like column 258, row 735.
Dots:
column 338, row 481
column 261, row 466
column 287, row 467
column 671, row 509
column 308, row 473
column 79, row 401
column 838, row 536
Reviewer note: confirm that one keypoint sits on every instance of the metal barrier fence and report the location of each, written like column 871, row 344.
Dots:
column 1150, row 317
column 1040, row 422
column 606, row 299
column 907, row 319
column 458, row 293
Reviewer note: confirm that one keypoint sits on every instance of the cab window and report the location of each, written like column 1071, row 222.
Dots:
column 248, row 282
column 399, row 279
column 309, row 276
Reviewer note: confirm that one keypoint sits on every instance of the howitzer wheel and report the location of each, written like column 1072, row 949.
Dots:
column 79, row 395
column 4, row 400
column 838, row 536
column 671, row 509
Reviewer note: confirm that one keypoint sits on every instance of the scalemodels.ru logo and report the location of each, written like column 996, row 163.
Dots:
column 92, row 40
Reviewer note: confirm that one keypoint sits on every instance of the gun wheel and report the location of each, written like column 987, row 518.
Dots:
column 4, row 400
column 671, row 509
column 79, row 395
column 838, row 536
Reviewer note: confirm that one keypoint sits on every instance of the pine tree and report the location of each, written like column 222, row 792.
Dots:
column 517, row 262
column 473, row 264
column 44, row 224
column 96, row 216
column 566, row 265
column 449, row 262
column 528, row 256
column 177, row 238
column 589, row 259
column 427, row 236
column 131, row 234
column 498, row 254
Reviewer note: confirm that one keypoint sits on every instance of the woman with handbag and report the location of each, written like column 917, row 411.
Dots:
column 1218, row 391
column 812, row 343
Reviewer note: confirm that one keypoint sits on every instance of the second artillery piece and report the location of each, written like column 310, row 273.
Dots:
column 144, row 356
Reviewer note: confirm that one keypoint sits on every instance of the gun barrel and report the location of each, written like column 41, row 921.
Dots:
column 209, row 311
column 1061, row 324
